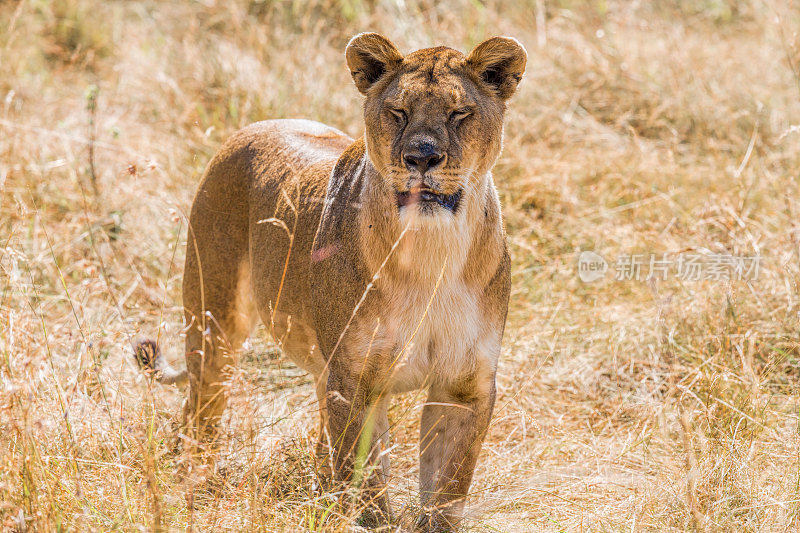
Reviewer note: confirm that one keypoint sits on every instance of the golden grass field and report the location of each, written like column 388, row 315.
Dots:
column 640, row 127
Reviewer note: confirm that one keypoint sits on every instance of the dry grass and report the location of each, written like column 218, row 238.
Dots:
column 622, row 405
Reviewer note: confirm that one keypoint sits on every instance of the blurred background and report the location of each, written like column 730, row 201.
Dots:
column 640, row 127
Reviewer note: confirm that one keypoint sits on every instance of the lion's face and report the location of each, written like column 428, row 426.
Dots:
column 434, row 119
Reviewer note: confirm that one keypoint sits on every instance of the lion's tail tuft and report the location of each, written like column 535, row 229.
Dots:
column 149, row 358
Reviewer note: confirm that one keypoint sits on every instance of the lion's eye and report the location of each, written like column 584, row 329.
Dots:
column 399, row 114
column 458, row 116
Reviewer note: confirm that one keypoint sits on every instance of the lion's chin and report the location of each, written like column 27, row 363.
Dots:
column 427, row 218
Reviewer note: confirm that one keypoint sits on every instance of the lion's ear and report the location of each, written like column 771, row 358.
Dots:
column 500, row 63
column 369, row 56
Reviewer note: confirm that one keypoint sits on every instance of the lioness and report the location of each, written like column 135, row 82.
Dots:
column 379, row 265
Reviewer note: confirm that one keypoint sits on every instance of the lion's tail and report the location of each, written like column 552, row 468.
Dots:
column 148, row 355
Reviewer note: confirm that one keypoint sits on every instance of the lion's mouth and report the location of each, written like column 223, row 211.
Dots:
column 426, row 196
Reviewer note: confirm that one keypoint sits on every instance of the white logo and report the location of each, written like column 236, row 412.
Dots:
column 591, row 266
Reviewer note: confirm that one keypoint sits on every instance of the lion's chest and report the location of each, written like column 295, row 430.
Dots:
column 430, row 333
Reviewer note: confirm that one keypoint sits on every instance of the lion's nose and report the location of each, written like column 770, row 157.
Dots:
column 422, row 158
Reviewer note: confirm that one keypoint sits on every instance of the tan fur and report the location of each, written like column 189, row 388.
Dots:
column 298, row 225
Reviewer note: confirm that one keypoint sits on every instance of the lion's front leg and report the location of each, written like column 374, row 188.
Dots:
column 358, row 427
column 454, row 423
